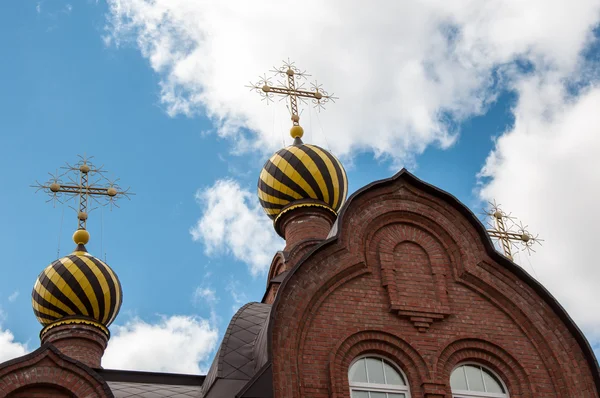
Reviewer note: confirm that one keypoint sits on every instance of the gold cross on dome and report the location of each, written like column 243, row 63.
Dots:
column 503, row 229
column 85, row 181
column 293, row 88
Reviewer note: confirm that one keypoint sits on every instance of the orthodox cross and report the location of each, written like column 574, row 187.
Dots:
column 293, row 88
column 503, row 229
column 85, row 181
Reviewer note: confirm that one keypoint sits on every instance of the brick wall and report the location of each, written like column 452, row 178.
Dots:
column 410, row 279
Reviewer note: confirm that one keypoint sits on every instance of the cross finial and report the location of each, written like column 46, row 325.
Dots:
column 293, row 88
column 503, row 229
column 85, row 181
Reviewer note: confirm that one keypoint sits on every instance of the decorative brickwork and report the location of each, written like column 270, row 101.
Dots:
column 48, row 373
column 399, row 240
column 84, row 343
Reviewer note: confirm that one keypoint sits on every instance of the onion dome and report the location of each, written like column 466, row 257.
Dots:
column 78, row 288
column 301, row 175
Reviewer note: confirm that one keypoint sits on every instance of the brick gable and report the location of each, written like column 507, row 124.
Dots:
column 411, row 276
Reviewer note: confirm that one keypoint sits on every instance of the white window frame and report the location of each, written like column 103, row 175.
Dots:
column 375, row 387
column 478, row 394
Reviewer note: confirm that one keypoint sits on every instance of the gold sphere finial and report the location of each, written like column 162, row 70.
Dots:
column 81, row 237
column 296, row 132
column 112, row 191
column 84, row 168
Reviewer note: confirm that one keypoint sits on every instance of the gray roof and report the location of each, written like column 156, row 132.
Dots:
column 241, row 354
column 149, row 390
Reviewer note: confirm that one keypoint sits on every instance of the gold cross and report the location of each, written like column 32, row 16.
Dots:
column 293, row 88
column 506, row 235
column 80, row 185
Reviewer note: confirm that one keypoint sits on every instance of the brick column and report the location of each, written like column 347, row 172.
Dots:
column 84, row 343
column 304, row 223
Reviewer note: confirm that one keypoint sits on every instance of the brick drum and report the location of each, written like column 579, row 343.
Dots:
column 411, row 277
column 82, row 342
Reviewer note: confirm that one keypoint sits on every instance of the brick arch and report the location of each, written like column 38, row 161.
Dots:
column 417, row 285
column 41, row 390
column 47, row 366
column 380, row 343
column 488, row 354
column 277, row 266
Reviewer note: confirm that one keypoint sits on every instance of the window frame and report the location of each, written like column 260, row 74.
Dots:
column 376, row 387
column 478, row 394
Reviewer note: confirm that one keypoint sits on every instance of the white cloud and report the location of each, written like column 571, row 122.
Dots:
column 237, row 295
column 402, row 69
column 546, row 171
column 9, row 348
column 205, row 294
column 13, row 296
column 180, row 344
column 233, row 222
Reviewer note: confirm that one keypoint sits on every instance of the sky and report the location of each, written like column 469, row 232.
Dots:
column 486, row 100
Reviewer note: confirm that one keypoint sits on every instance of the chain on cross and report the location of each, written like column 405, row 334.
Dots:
column 293, row 88
column 85, row 181
column 503, row 229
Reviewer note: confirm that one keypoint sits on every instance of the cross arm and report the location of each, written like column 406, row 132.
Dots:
column 82, row 190
column 299, row 93
column 505, row 235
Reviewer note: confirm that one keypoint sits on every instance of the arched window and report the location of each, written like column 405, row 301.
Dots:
column 475, row 381
column 374, row 377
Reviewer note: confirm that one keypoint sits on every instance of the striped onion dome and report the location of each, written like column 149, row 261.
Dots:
column 75, row 288
column 301, row 172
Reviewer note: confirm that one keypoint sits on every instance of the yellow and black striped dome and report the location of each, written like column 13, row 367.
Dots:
column 301, row 172
column 77, row 286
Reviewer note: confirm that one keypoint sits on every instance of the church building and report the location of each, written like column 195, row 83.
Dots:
column 394, row 292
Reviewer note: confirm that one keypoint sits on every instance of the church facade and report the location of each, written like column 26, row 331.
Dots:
column 401, row 295
column 397, row 292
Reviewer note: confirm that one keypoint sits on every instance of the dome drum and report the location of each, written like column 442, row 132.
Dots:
column 312, row 204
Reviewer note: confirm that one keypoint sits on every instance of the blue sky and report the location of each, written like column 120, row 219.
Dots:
column 97, row 78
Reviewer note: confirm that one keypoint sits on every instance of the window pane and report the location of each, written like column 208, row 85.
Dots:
column 377, row 394
column 396, row 396
column 492, row 384
column 475, row 378
column 392, row 376
column 375, row 371
column 358, row 372
column 457, row 379
column 360, row 394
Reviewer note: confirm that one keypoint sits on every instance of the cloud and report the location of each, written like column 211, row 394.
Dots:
column 237, row 295
column 9, row 348
column 406, row 72
column 13, row 296
column 205, row 294
column 233, row 222
column 545, row 171
column 180, row 344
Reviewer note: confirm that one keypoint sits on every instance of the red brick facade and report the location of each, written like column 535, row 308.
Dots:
column 411, row 276
column 47, row 373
